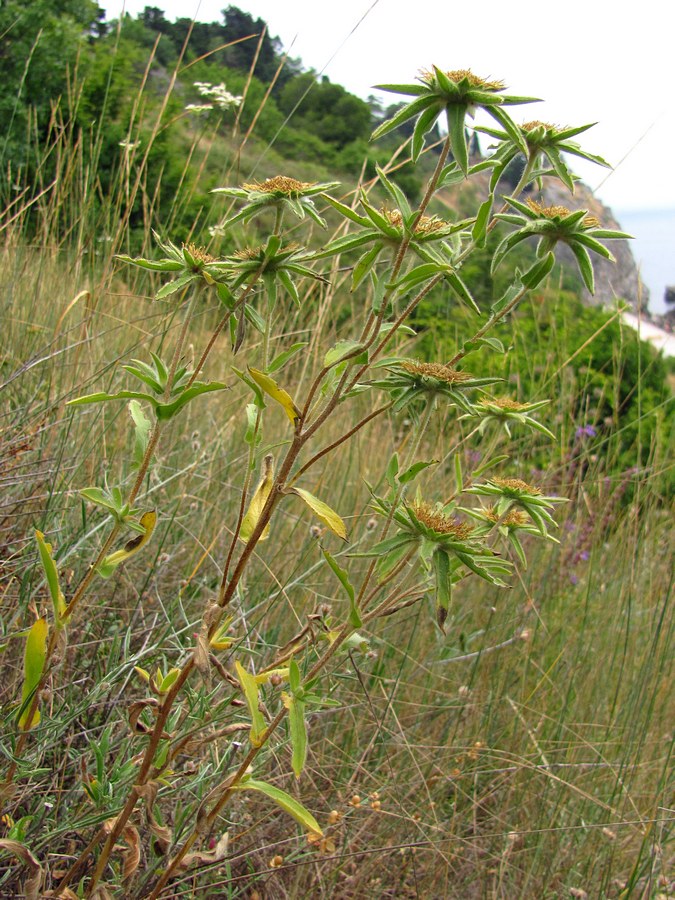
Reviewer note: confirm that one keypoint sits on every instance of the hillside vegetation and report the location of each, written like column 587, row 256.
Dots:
column 216, row 683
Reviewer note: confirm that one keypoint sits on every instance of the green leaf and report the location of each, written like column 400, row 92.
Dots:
column 280, row 361
column 508, row 297
column 479, row 231
column 33, row 663
column 149, row 375
column 142, row 427
column 283, row 800
column 536, row 274
column 492, row 342
column 251, row 693
column 559, row 167
column 441, row 562
column 103, row 397
column 456, row 113
column 169, row 410
column 421, row 273
column 394, row 192
column 364, row 264
column 348, row 212
column 392, row 471
column 463, row 292
column 168, row 680
column 173, row 286
column 411, row 89
column 409, row 111
column 585, row 265
column 298, row 730
column 323, row 512
column 343, row 349
column 459, row 479
column 289, row 284
column 380, row 221
column 509, row 125
column 52, row 576
column 254, row 317
column 253, row 434
column 343, row 578
column 423, row 126
column 294, row 679
column 413, row 471
column 490, row 464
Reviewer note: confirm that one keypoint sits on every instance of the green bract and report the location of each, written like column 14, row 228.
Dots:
column 271, row 262
column 190, row 264
column 443, row 545
column 512, row 492
column 545, row 143
column 510, row 526
column 387, row 228
column 505, row 411
column 279, row 194
column 458, row 93
column 410, row 379
column 557, row 224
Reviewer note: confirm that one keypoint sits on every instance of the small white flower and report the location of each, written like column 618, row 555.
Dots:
column 198, row 107
column 218, row 93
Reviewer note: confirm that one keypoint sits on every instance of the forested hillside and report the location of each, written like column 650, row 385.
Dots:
column 136, row 91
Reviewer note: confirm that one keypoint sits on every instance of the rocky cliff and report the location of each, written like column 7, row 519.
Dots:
column 612, row 280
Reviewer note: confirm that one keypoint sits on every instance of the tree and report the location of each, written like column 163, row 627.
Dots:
column 327, row 110
column 42, row 41
column 239, row 24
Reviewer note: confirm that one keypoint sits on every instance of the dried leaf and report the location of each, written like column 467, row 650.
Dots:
column 201, row 654
column 130, row 858
column 163, row 837
column 134, row 712
column 101, row 893
column 205, row 857
column 31, row 887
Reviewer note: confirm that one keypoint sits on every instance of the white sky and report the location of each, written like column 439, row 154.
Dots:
column 603, row 61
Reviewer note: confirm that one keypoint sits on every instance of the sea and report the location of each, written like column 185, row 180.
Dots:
column 653, row 249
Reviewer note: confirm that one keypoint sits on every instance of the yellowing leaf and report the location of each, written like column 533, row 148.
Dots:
column 264, row 677
column 273, row 390
column 258, row 502
column 323, row 512
column 33, row 664
column 148, row 521
column 221, row 640
column 250, row 688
